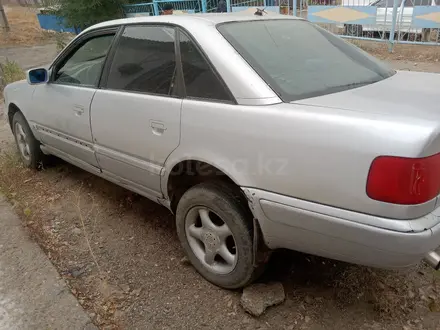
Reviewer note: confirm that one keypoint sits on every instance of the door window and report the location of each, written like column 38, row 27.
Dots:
column 145, row 61
column 83, row 66
column 200, row 80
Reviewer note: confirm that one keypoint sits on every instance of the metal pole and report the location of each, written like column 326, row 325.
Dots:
column 156, row 8
column 228, row 5
column 204, row 6
column 294, row 7
column 3, row 19
column 393, row 26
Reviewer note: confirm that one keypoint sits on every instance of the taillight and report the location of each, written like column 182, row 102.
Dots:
column 401, row 180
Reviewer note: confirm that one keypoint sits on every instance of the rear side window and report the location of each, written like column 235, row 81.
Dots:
column 144, row 61
column 200, row 81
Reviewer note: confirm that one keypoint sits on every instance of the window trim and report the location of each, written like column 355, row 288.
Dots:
column 231, row 100
column 181, row 92
column 74, row 46
column 111, row 54
column 106, row 70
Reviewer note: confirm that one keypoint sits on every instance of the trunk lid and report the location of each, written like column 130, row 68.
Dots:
column 409, row 94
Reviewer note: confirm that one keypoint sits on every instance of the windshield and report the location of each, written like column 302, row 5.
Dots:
column 300, row 60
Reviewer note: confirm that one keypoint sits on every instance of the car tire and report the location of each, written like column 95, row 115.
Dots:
column 220, row 204
column 28, row 147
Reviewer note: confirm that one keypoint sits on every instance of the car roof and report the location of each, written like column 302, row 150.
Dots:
column 210, row 19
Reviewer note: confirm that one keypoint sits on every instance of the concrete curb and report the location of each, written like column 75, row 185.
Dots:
column 32, row 295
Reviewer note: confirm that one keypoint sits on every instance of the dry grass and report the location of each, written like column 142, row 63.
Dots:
column 13, row 174
column 23, row 187
column 25, row 29
column 417, row 53
column 10, row 71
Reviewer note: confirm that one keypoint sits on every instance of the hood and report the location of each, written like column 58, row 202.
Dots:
column 409, row 94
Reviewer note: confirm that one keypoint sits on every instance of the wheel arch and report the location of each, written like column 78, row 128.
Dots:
column 182, row 174
column 12, row 110
column 198, row 167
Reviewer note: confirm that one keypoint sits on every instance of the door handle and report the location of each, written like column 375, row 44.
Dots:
column 158, row 127
column 79, row 110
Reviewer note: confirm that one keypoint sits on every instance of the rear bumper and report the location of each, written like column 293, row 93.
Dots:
column 343, row 235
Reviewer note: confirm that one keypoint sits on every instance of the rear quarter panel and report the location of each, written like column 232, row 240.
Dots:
column 312, row 153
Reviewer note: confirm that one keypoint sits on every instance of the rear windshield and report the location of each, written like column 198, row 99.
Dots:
column 300, row 60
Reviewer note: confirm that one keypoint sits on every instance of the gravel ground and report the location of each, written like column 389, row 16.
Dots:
column 120, row 256
column 415, row 66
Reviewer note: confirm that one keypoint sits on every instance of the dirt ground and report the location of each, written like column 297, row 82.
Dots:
column 120, row 255
column 24, row 28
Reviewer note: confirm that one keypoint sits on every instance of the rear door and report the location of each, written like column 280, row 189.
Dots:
column 136, row 113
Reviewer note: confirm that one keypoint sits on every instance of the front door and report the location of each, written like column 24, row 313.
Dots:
column 63, row 104
column 135, row 115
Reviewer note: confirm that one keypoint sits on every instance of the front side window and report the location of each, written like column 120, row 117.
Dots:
column 300, row 60
column 144, row 61
column 200, row 81
column 84, row 65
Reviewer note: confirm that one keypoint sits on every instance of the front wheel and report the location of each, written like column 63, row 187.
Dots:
column 214, row 226
column 28, row 146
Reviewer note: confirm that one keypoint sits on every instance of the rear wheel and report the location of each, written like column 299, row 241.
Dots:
column 28, row 146
column 214, row 227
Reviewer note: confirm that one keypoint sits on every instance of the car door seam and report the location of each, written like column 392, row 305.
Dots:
column 148, row 165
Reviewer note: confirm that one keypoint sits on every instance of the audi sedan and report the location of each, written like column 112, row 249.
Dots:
column 257, row 132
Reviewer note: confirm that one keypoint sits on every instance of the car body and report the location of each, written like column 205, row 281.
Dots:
column 323, row 150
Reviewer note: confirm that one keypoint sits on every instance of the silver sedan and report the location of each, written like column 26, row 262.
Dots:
column 257, row 132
